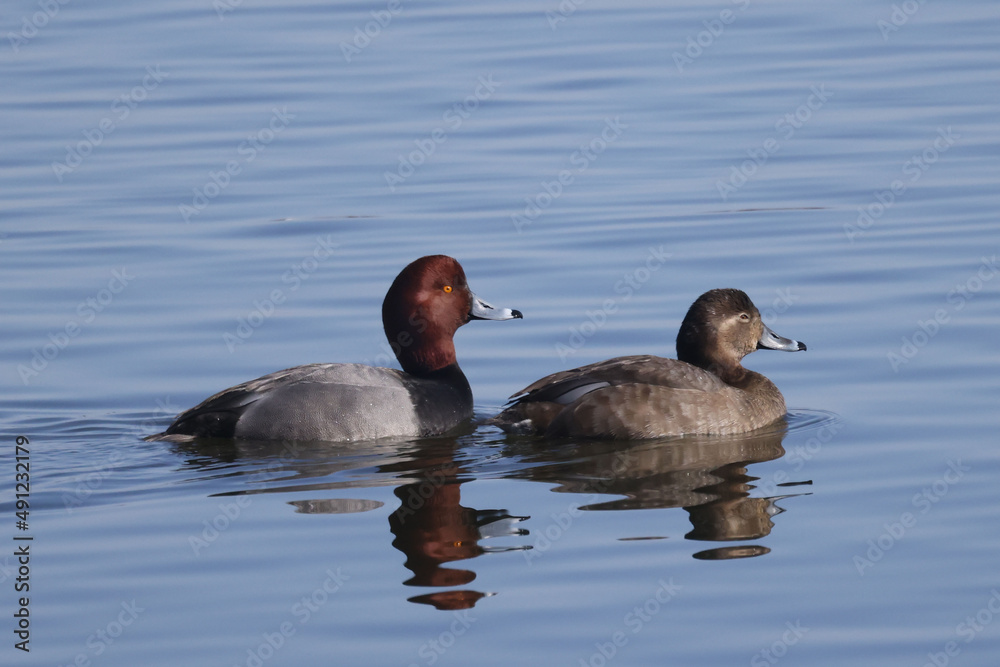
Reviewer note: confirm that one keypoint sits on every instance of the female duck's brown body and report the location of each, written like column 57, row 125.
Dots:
column 705, row 390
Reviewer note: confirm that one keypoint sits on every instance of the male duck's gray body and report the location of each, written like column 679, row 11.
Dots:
column 427, row 302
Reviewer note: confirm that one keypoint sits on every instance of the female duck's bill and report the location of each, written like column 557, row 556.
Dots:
column 772, row 341
column 705, row 390
column 426, row 303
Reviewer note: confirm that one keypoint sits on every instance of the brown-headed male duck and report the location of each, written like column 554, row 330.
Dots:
column 705, row 390
column 427, row 302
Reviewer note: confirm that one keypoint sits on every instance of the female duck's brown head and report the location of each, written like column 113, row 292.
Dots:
column 721, row 327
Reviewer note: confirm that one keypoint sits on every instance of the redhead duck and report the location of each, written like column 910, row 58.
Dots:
column 427, row 302
column 705, row 390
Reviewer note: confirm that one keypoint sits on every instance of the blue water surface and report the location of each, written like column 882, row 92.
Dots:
column 198, row 192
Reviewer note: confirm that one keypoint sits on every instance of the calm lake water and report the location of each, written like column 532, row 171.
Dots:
column 199, row 192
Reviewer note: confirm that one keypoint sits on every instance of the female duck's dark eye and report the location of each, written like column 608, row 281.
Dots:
column 744, row 317
column 447, row 289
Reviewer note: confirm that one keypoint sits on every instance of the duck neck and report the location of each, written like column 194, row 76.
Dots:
column 733, row 375
column 452, row 375
column 428, row 396
column 423, row 359
column 422, row 349
column 729, row 370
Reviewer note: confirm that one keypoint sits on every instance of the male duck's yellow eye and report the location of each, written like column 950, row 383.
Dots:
column 447, row 289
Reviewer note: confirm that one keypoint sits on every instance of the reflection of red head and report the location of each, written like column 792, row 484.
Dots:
column 439, row 531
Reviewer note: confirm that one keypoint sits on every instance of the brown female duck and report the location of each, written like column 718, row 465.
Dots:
column 705, row 390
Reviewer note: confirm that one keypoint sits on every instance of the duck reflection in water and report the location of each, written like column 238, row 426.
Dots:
column 705, row 475
column 430, row 526
column 433, row 528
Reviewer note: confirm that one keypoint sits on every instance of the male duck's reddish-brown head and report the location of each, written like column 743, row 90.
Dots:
column 426, row 304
